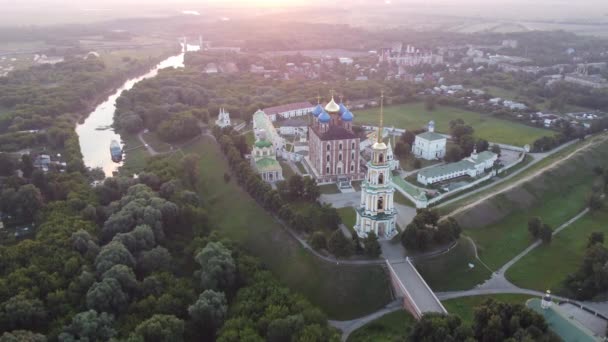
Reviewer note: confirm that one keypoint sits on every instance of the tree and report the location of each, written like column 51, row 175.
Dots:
column 20, row 312
column 156, row 259
column 89, row 326
column 189, row 166
column 160, row 328
column 453, row 154
column 546, row 233
column 339, row 245
column 372, row 246
column 433, row 327
column 496, row 149
column 8, row 164
column 318, row 240
column 595, row 238
column 218, row 270
column 534, row 226
column 112, row 254
column 595, row 201
column 27, row 201
column 22, row 336
column 210, row 310
column 402, row 149
column 408, row 137
column 124, row 275
column 107, row 296
column 179, row 127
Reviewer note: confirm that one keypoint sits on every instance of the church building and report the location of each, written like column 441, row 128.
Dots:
column 377, row 212
column 430, row 145
column 333, row 146
column 223, row 119
column 264, row 160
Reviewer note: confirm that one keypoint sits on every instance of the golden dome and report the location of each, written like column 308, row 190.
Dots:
column 332, row 106
column 379, row 146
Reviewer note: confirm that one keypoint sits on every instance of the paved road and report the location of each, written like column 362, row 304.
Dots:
column 342, row 200
column 151, row 150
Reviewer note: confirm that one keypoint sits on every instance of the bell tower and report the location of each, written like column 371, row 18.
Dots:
column 376, row 212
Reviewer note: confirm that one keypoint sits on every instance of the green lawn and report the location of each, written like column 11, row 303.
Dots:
column 499, row 242
column 399, row 198
column 407, row 164
column 301, row 168
column 394, row 326
column 250, row 138
column 415, row 116
column 329, row 189
column 348, row 216
column 451, row 271
column 507, row 94
column 343, row 292
column 547, row 266
column 135, row 159
column 465, row 306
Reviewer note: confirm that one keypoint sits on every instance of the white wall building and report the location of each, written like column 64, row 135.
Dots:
column 263, row 128
column 289, row 110
column 473, row 166
column 223, row 119
column 430, row 145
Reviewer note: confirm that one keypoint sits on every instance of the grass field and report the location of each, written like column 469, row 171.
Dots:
column 250, row 138
column 394, row 326
column 343, row 292
column 152, row 139
column 451, row 272
column 135, row 160
column 415, row 116
column 399, row 198
column 287, row 171
column 348, row 216
column 301, row 168
column 465, row 306
column 499, row 242
column 547, row 266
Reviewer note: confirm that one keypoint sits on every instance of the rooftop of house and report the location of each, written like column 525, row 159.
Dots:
column 287, row 107
column 431, row 136
column 267, row 165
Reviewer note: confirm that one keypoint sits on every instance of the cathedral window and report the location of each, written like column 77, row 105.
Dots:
column 340, row 147
column 381, row 158
column 352, row 155
column 327, row 169
column 340, row 157
column 352, row 146
column 328, row 146
column 328, row 158
column 380, row 204
column 381, row 179
column 352, row 168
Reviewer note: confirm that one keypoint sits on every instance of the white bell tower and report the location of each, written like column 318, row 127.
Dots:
column 377, row 212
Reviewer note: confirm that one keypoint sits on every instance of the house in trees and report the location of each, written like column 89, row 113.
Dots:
column 430, row 145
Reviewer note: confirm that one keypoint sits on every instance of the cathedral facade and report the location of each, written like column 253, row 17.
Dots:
column 332, row 144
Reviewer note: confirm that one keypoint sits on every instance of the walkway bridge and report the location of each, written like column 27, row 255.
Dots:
column 418, row 298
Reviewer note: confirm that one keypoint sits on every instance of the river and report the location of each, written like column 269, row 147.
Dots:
column 96, row 133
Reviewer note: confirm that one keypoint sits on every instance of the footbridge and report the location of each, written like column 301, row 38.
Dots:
column 418, row 298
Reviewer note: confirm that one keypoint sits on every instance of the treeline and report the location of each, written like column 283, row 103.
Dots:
column 426, row 231
column 156, row 103
column 134, row 260
column 43, row 103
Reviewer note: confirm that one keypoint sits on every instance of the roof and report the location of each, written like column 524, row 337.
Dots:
column 324, row 117
column 430, row 136
column 445, row 169
column 485, row 155
column 347, row 115
column 558, row 321
column 332, row 106
column 267, row 164
column 263, row 143
column 287, row 107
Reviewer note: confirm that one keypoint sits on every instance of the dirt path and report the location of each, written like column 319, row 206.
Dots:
column 526, row 178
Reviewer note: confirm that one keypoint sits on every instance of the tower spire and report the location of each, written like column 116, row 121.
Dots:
column 318, row 98
column 381, row 116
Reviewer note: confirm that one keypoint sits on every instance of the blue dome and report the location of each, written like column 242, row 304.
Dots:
column 324, row 117
column 317, row 110
column 343, row 108
column 347, row 116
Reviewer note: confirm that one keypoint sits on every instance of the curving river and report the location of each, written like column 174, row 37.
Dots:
column 96, row 133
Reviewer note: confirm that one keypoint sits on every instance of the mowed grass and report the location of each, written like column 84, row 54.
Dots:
column 465, row 306
column 394, row 326
column 547, row 266
column 499, row 242
column 415, row 116
column 135, row 159
column 348, row 216
column 343, row 292
column 451, row 271
column 287, row 171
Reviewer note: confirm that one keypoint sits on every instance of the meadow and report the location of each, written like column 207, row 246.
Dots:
column 394, row 326
column 415, row 116
column 547, row 266
column 465, row 306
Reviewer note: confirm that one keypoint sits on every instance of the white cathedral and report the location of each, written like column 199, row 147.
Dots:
column 223, row 119
column 377, row 212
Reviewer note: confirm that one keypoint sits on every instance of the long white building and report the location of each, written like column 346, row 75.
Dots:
column 473, row 166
